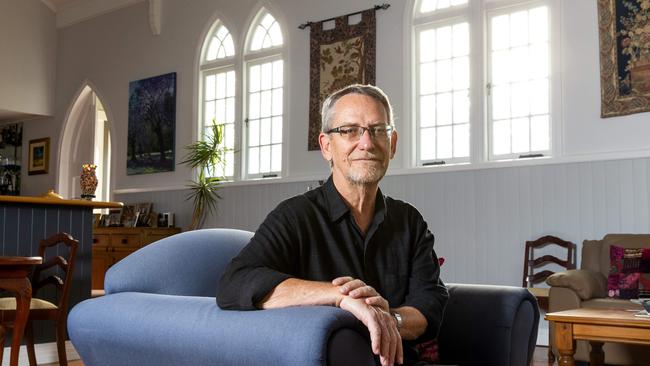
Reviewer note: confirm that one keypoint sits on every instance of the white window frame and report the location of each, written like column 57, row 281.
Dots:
column 489, row 125
column 263, row 55
column 475, row 12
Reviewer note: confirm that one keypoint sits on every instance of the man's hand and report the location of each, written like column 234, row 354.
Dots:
column 357, row 289
column 385, row 339
column 367, row 305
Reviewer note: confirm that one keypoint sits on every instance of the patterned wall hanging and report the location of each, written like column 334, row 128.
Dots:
column 624, row 29
column 339, row 57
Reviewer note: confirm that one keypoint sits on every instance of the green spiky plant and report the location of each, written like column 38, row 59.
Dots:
column 205, row 156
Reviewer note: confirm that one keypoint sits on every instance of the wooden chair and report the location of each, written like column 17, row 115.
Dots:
column 531, row 278
column 45, row 275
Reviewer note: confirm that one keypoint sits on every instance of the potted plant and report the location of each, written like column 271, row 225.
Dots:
column 205, row 156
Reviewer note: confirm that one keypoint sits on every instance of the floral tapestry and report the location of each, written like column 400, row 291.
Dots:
column 339, row 57
column 624, row 27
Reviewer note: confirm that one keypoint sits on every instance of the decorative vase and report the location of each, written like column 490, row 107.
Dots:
column 88, row 181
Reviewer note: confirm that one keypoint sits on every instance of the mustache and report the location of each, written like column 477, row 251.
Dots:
column 367, row 156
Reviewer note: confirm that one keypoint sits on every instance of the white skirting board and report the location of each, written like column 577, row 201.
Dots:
column 45, row 353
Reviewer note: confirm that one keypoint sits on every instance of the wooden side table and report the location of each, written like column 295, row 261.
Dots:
column 14, row 277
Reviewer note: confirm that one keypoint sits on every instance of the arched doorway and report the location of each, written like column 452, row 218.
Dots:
column 85, row 139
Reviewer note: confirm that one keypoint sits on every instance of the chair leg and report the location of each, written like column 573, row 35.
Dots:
column 29, row 343
column 60, row 341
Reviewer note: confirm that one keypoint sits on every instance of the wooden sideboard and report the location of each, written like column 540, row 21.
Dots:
column 112, row 244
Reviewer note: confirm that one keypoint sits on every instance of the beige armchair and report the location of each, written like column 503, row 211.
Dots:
column 587, row 288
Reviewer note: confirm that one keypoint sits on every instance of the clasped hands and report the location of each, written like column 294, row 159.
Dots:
column 372, row 309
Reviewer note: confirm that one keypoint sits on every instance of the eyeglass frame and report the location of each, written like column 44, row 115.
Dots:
column 372, row 130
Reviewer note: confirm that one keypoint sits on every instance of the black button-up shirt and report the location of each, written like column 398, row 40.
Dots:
column 314, row 236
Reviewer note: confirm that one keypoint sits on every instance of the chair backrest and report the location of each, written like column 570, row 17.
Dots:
column 531, row 277
column 44, row 275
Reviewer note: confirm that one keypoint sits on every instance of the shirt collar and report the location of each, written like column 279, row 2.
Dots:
column 337, row 207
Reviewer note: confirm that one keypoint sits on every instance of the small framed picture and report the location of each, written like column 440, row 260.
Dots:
column 39, row 156
column 115, row 217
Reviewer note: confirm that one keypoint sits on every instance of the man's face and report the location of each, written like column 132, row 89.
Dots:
column 362, row 160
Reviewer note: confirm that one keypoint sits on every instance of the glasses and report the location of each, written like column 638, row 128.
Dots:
column 354, row 133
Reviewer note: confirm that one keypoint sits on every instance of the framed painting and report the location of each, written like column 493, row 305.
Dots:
column 39, row 156
column 624, row 56
column 152, row 125
column 339, row 57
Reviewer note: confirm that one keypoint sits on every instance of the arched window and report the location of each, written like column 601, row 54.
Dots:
column 218, row 92
column 264, row 95
column 244, row 92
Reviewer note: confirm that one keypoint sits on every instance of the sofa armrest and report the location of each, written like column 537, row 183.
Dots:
column 149, row 329
column 488, row 325
column 189, row 263
column 586, row 283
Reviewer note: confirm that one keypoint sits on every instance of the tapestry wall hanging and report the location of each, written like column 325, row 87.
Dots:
column 152, row 125
column 624, row 27
column 339, row 57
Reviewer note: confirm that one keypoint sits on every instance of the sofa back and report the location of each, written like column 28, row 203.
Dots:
column 595, row 253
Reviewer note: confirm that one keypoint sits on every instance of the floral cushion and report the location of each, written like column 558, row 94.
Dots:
column 629, row 272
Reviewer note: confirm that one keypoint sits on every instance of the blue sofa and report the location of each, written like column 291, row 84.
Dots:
column 160, row 309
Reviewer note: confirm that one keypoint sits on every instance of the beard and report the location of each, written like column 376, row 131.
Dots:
column 367, row 173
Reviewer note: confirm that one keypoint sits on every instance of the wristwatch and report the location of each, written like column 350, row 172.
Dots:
column 398, row 319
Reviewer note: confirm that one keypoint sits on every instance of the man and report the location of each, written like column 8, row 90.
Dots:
column 345, row 244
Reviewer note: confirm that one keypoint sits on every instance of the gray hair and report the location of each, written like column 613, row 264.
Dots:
column 369, row 90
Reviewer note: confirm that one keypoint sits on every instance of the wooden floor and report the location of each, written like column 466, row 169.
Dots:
column 540, row 358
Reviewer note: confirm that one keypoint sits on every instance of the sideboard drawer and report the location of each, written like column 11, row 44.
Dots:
column 128, row 240
column 101, row 240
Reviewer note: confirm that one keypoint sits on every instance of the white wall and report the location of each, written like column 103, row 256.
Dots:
column 28, row 57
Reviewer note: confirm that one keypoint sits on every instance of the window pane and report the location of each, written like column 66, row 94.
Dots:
column 501, row 102
column 254, row 160
column 276, row 35
column 258, row 38
column 221, row 85
column 254, row 106
column 278, row 70
column 520, row 101
column 230, row 110
column 500, row 67
column 254, row 132
column 230, row 164
column 267, row 34
column 501, row 137
column 221, row 44
column 229, row 136
column 221, row 111
column 427, row 45
column 267, row 74
column 209, row 113
column 443, row 75
column 444, row 109
column 276, row 158
column 539, row 61
column 500, row 32
column 461, row 140
column 427, row 78
column 520, row 135
column 230, row 83
column 461, row 107
column 276, row 130
column 444, row 142
column 230, row 46
column 254, row 78
column 540, row 134
column 277, row 102
column 210, row 87
column 265, row 108
column 427, row 143
column 265, row 159
column 519, row 66
column 212, row 49
column 519, row 28
column 427, row 110
column 443, row 43
column 539, row 96
column 461, row 73
column 538, row 28
column 461, row 39
column 265, row 131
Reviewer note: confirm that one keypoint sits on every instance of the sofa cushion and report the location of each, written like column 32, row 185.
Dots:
column 629, row 275
column 587, row 284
